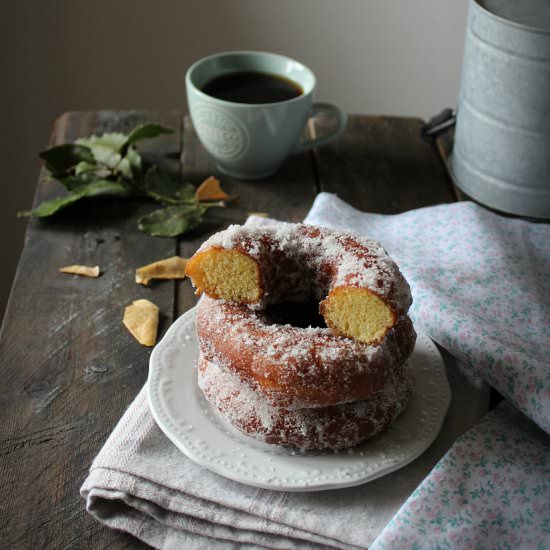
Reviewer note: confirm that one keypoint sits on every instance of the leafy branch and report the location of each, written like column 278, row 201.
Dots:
column 110, row 165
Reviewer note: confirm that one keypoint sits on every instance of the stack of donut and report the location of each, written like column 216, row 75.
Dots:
column 314, row 387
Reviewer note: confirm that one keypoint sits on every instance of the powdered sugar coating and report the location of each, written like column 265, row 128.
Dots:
column 299, row 261
column 339, row 426
column 299, row 367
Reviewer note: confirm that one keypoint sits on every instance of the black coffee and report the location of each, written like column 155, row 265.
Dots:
column 252, row 87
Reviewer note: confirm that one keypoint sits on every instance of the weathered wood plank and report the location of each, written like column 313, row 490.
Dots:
column 69, row 366
column 287, row 196
column 381, row 164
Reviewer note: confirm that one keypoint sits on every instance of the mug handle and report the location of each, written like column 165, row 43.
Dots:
column 318, row 108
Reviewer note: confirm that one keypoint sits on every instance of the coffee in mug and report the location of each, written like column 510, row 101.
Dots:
column 249, row 110
column 252, row 87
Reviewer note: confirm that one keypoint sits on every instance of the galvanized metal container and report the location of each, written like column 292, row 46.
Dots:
column 501, row 155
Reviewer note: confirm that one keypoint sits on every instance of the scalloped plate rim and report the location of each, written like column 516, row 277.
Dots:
column 186, row 437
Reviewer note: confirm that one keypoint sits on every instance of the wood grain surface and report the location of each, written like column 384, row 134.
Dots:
column 382, row 165
column 69, row 367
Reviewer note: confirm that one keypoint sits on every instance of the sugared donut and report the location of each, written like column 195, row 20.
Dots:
column 363, row 292
column 335, row 427
column 298, row 367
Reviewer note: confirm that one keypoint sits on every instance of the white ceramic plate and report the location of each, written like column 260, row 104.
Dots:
column 187, row 419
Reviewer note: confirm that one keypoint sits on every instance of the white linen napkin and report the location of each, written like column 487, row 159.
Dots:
column 142, row 484
column 469, row 286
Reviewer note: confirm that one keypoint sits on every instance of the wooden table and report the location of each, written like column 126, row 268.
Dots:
column 69, row 367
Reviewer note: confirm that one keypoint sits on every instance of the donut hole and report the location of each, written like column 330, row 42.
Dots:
column 296, row 314
column 357, row 313
column 227, row 274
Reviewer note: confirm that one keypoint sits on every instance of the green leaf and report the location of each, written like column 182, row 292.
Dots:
column 109, row 164
column 161, row 187
column 62, row 158
column 75, row 183
column 105, row 149
column 108, row 188
column 134, row 159
column 109, row 152
column 82, row 179
column 92, row 189
column 172, row 221
column 109, row 140
column 85, row 169
column 47, row 208
column 143, row 131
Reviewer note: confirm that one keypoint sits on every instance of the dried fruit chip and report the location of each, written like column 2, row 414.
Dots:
column 84, row 270
column 142, row 320
column 170, row 268
column 259, row 214
column 210, row 190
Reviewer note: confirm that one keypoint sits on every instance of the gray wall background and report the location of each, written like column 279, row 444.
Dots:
column 397, row 57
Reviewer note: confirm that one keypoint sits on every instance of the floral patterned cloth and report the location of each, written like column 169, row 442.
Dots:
column 491, row 490
column 481, row 289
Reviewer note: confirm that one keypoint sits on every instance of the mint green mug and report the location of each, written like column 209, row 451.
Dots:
column 249, row 110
